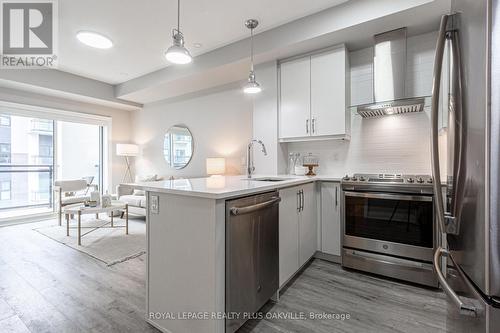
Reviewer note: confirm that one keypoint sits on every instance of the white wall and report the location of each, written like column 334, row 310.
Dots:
column 265, row 120
column 221, row 124
column 120, row 121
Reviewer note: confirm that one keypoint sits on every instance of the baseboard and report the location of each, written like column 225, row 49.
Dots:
column 158, row 327
column 27, row 219
column 328, row 257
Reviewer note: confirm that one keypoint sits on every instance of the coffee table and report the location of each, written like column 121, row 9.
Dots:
column 79, row 210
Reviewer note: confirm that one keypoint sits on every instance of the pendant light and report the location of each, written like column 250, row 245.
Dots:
column 177, row 53
column 252, row 86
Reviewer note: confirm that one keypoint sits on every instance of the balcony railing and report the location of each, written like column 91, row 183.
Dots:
column 23, row 192
column 42, row 159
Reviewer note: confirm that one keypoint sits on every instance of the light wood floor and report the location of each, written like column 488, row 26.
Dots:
column 48, row 287
column 374, row 304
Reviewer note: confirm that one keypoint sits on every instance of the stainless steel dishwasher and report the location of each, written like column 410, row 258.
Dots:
column 252, row 267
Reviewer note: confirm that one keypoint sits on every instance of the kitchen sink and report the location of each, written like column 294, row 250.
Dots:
column 268, row 179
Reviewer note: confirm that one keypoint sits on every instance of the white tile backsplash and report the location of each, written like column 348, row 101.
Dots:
column 390, row 144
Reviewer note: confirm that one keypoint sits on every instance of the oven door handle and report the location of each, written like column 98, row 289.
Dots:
column 389, row 196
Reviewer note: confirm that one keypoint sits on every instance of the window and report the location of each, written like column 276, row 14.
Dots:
column 45, row 150
column 5, row 153
column 5, row 190
column 35, row 151
column 42, row 125
column 4, row 120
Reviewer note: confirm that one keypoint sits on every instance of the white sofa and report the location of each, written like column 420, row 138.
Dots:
column 136, row 199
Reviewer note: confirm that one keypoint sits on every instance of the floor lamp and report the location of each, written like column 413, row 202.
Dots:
column 127, row 150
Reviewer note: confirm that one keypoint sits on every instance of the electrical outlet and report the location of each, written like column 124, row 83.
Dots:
column 154, row 204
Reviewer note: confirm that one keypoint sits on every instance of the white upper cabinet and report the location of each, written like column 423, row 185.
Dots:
column 295, row 98
column 328, row 93
column 314, row 96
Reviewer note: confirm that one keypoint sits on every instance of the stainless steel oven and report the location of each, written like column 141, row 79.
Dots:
column 388, row 226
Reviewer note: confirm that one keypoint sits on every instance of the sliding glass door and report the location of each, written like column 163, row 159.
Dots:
column 79, row 152
column 34, row 152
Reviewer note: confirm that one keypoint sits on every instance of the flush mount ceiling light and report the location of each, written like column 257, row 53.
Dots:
column 252, row 86
column 94, row 39
column 177, row 53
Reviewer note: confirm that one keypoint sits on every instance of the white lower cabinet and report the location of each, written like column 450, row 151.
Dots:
column 297, row 229
column 330, row 218
column 308, row 228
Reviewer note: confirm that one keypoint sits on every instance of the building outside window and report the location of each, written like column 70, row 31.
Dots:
column 45, row 150
column 5, row 190
column 5, row 153
column 42, row 125
column 4, row 120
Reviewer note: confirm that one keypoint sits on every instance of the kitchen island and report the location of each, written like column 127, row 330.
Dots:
column 186, row 247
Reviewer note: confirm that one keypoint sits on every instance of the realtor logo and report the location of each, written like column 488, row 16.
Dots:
column 28, row 33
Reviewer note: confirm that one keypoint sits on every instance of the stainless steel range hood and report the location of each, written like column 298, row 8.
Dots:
column 389, row 78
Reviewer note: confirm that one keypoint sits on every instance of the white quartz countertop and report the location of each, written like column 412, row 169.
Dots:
column 224, row 187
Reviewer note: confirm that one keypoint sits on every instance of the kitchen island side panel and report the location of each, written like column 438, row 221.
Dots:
column 185, row 263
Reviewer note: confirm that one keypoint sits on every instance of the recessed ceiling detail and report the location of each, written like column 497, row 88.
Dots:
column 143, row 29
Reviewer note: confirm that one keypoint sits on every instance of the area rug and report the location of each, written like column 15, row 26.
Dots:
column 109, row 245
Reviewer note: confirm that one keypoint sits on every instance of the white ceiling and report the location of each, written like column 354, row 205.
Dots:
column 141, row 30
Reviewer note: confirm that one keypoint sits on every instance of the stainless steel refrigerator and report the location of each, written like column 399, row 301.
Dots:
column 468, row 213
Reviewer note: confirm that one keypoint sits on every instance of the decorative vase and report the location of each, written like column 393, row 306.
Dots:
column 106, row 200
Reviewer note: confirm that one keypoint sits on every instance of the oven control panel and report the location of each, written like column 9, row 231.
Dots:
column 388, row 179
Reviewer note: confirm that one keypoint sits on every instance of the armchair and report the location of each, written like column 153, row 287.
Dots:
column 66, row 193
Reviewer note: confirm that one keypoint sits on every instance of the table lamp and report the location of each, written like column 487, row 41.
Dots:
column 216, row 166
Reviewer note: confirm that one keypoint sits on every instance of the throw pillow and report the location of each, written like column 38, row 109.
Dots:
column 146, row 178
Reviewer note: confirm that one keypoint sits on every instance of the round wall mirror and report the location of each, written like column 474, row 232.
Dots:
column 178, row 146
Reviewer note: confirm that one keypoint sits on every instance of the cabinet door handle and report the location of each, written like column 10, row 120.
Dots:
column 336, row 196
column 298, row 201
column 301, row 200
column 313, row 124
column 307, row 126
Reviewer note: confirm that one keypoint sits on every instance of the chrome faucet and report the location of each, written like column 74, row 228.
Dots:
column 250, row 166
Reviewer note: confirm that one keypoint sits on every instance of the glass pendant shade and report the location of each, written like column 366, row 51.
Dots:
column 252, row 86
column 177, row 53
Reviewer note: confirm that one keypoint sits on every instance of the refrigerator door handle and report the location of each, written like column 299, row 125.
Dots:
column 465, row 309
column 446, row 221
column 436, row 85
column 452, row 218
